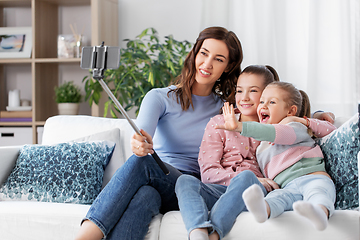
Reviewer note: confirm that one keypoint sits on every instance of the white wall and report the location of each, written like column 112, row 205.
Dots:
column 174, row 17
column 186, row 18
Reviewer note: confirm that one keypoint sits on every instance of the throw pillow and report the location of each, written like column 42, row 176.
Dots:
column 7, row 161
column 340, row 149
column 66, row 173
column 116, row 160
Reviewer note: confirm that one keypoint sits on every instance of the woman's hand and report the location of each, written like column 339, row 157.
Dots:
column 289, row 119
column 325, row 116
column 139, row 146
column 231, row 123
column 268, row 184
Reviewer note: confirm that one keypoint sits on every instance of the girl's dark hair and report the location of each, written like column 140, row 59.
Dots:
column 305, row 107
column 224, row 88
column 269, row 73
column 295, row 97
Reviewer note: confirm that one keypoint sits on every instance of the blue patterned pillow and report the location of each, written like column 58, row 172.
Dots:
column 340, row 149
column 66, row 173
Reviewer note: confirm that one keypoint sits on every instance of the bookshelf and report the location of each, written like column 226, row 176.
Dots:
column 43, row 69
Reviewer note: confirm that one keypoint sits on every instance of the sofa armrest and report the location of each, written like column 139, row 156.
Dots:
column 7, row 161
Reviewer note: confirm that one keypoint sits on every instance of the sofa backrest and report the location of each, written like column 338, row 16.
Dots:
column 65, row 128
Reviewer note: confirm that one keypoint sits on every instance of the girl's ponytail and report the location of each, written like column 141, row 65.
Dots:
column 274, row 73
column 267, row 72
column 305, row 109
column 305, row 105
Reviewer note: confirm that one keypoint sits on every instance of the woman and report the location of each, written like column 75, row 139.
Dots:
column 175, row 117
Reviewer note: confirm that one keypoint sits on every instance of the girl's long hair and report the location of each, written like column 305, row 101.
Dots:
column 269, row 73
column 225, row 87
column 296, row 97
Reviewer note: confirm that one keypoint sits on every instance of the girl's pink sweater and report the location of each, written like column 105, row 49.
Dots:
column 224, row 154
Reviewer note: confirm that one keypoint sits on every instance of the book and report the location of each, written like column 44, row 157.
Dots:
column 15, row 119
column 15, row 114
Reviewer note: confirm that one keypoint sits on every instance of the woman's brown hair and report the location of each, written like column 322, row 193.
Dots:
column 224, row 87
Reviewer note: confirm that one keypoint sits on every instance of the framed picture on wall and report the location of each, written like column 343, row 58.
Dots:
column 15, row 42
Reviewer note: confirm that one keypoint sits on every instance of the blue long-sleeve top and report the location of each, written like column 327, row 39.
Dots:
column 177, row 134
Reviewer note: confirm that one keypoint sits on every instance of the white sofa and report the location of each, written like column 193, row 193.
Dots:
column 30, row 220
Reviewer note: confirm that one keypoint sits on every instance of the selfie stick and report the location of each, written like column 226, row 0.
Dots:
column 98, row 74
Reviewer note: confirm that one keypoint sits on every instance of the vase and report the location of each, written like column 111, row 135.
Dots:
column 68, row 108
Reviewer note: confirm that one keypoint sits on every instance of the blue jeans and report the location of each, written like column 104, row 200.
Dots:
column 138, row 191
column 225, row 203
column 317, row 189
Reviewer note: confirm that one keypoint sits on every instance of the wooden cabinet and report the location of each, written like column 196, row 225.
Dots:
column 44, row 67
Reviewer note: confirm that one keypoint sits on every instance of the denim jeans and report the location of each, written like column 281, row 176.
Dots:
column 317, row 189
column 196, row 199
column 138, row 191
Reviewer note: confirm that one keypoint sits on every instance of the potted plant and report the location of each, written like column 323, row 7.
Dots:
column 145, row 63
column 68, row 97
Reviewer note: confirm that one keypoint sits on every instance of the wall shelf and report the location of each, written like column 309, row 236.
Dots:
column 44, row 67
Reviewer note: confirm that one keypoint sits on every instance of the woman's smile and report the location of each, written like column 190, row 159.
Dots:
column 204, row 73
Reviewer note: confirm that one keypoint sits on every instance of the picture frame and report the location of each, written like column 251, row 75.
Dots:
column 15, row 42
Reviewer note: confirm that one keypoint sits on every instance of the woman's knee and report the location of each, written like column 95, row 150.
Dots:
column 150, row 195
column 147, row 192
column 134, row 163
column 136, row 160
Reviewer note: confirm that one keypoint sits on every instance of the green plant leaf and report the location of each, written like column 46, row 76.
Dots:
column 67, row 92
column 113, row 113
column 151, row 78
column 145, row 63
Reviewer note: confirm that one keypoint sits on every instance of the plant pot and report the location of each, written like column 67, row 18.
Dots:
column 68, row 108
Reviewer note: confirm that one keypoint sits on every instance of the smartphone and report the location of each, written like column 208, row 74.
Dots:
column 100, row 57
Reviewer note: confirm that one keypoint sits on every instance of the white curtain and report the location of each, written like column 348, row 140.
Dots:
column 314, row 44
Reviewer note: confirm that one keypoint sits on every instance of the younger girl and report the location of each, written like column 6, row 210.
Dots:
column 222, row 156
column 288, row 155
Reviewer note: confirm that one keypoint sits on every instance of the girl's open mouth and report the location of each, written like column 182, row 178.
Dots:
column 264, row 117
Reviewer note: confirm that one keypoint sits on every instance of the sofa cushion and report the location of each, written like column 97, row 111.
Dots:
column 66, row 172
column 340, row 149
column 7, row 161
column 288, row 226
column 112, row 135
column 43, row 221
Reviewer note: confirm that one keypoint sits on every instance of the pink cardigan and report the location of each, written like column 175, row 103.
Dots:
column 224, row 154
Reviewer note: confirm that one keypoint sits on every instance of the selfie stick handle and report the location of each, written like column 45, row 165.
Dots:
column 111, row 95
column 98, row 75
